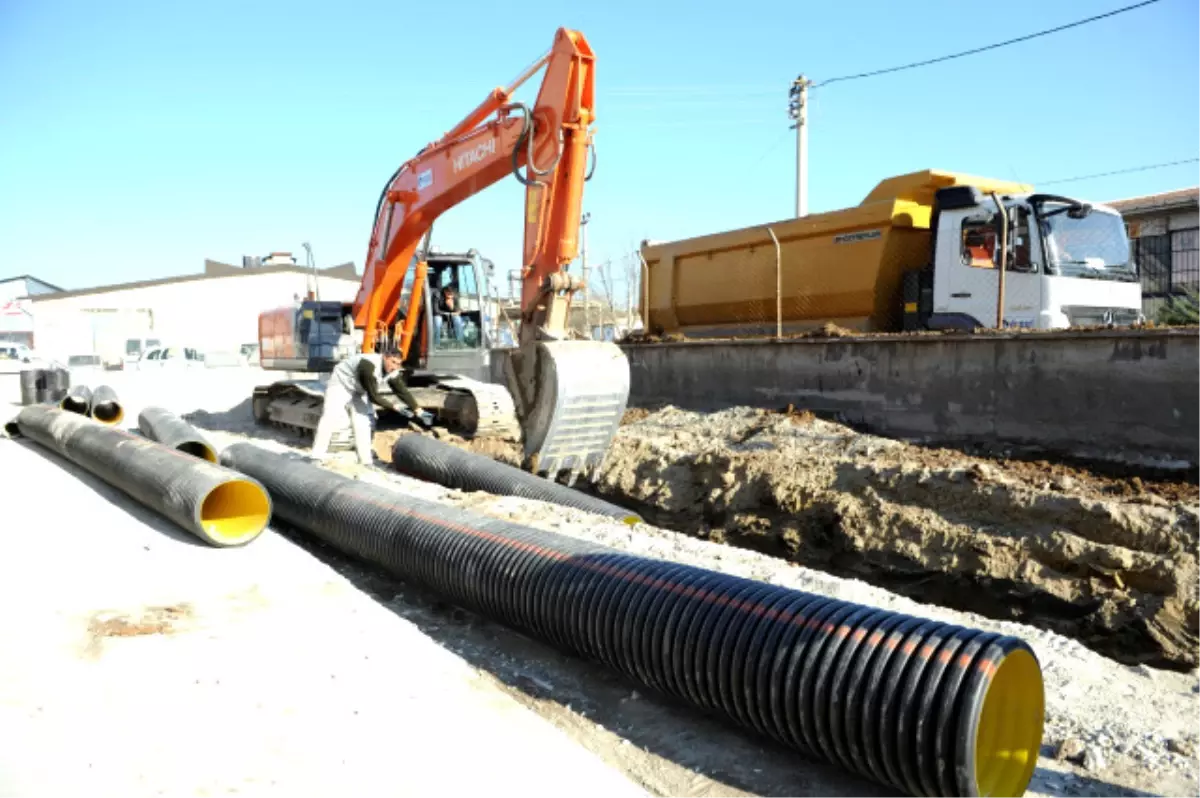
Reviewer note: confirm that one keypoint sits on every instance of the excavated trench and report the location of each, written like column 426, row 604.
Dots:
column 1107, row 560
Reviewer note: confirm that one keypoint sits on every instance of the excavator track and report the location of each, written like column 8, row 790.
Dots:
column 467, row 407
column 477, row 409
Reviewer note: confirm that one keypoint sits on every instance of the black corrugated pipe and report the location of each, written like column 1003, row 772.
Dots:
column 221, row 507
column 29, row 385
column 434, row 461
column 41, row 386
column 106, row 408
column 58, row 382
column 78, row 400
column 170, row 430
column 925, row 707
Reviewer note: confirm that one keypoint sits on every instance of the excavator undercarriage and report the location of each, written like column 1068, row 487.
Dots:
column 464, row 406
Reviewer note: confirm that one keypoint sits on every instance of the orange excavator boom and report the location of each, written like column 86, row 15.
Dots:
column 545, row 147
column 569, row 395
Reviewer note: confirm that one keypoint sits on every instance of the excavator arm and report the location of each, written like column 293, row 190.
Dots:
column 569, row 395
column 545, row 148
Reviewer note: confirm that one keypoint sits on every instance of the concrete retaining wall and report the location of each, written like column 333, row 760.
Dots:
column 1128, row 395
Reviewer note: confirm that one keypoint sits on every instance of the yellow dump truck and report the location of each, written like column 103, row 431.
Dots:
column 922, row 251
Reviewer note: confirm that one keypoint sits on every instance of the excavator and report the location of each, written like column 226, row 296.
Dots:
column 565, row 396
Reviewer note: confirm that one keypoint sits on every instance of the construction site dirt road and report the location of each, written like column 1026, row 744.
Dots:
column 1112, row 728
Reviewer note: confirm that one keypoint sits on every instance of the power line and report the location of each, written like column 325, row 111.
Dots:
column 1025, row 38
column 724, row 90
column 1146, row 168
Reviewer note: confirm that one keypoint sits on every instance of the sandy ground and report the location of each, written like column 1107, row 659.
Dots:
column 138, row 662
column 1125, row 730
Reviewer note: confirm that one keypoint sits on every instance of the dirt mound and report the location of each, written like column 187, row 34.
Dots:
column 1107, row 561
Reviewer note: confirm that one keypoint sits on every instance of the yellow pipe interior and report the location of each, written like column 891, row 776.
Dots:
column 234, row 512
column 1009, row 736
column 110, row 413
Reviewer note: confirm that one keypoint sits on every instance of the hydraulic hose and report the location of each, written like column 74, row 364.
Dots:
column 434, row 461
column 106, row 408
column 221, row 507
column 170, row 430
column 78, row 400
column 925, row 707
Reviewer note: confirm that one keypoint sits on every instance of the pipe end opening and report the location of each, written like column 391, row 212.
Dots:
column 109, row 413
column 11, row 429
column 73, row 405
column 1009, row 736
column 234, row 512
column 198, row 449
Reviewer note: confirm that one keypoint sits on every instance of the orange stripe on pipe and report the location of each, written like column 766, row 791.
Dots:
column 754, row 608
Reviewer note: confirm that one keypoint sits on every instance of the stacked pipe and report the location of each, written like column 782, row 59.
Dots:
column 78, row 400
column 106, row 407
column 42, row 386
column 168, row 429
column 434, row 461
column 925, row 707
column 221, row 507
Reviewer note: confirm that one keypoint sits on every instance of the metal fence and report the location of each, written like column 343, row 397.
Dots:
column 1169, row 266
column 1168, row 263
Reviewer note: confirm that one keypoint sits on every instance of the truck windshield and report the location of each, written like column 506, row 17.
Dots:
column 1093, row 246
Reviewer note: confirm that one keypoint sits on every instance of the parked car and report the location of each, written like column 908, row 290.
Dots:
column 135, row 349
column 19, row 352
column 170, row 357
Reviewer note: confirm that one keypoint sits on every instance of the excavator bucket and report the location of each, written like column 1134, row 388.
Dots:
column 571, row 396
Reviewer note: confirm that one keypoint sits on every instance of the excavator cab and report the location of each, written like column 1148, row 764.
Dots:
column 453, row 334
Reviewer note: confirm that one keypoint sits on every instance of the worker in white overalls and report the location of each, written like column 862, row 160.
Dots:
column 353, row 387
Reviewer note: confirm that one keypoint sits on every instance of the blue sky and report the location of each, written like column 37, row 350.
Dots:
column 138, row 138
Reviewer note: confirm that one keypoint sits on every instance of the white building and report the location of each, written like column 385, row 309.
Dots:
column 16, row 317
column 216, row 311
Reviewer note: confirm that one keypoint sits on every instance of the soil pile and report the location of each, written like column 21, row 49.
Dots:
column 1108, row 561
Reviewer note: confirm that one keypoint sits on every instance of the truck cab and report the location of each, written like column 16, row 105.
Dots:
column 1066, row 264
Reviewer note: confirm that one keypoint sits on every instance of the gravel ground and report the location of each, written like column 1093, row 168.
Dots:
column 1120, row 729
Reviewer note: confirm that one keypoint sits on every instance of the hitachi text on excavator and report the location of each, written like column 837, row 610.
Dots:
column 565, row 396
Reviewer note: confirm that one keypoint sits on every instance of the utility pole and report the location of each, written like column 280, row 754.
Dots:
column 312, row 267
column 798, row 113
column 587, row 291
column 630, row 280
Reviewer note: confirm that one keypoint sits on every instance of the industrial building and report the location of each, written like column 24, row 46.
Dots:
column 215, row 311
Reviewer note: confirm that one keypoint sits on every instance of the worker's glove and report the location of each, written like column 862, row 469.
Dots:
column 426, row 419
